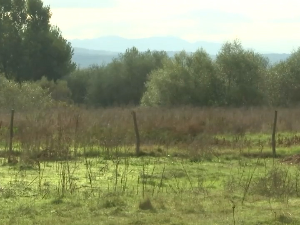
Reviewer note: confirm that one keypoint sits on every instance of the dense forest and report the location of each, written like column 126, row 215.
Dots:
column 37, row 69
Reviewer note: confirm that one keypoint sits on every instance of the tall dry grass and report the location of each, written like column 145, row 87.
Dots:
column 59, row 131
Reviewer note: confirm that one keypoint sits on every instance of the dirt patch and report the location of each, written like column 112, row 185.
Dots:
column 294, row 159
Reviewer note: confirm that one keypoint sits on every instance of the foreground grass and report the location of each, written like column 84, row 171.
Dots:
column 151, row 190
column 199, row 166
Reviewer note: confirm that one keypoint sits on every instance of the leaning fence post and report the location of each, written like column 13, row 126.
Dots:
column 76, row 135
column 137, row 135
column 11, row 134
column 273, row 135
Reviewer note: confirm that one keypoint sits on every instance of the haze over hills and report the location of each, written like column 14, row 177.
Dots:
column 119, row 44
column 102, row 50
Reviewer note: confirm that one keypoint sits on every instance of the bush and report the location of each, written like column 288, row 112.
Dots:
column 59, row 90
column 24, row 96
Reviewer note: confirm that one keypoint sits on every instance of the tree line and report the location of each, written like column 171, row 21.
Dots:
column 237, row 77
column 33, row 52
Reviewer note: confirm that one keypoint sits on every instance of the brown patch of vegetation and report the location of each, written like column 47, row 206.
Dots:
column 12, row 160
column 294, row 159
column 259, row 155
column 60, row 132
column 146, row 205
column 288, row 141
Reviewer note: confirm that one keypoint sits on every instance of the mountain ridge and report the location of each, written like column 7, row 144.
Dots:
column 102, row 50
column 87, row 57
column 168, row 43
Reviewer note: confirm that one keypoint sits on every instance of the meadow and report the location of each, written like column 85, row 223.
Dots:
column 72, row 165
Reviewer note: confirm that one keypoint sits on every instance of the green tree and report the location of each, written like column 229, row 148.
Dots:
column 122, row 81
column 95, row 89
column 243, row 74
column 184, row 80
column 79, row 83
column 136, row 68
column 106, row 85
column 284, row 81
column 30, row 47
column 12, row 20
column 58, row 90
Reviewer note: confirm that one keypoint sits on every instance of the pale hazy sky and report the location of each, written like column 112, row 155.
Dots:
column 271, row 26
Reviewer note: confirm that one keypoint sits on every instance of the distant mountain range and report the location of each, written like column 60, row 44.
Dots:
column 119, row 44
column 103, row 50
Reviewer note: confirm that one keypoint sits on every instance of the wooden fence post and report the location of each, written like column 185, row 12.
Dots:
column 76, row 135
column 137, row 134
column 11, row 135
column 273, row 136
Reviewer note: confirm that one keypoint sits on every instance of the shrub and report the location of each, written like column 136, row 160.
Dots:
column 22, row 96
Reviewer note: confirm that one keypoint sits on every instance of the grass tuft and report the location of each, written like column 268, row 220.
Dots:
column 146, row 205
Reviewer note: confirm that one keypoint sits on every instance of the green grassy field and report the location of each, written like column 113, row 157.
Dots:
column 225, row 189
column 209, row 178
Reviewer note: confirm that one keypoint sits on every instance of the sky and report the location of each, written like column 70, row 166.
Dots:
column 269, row 26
